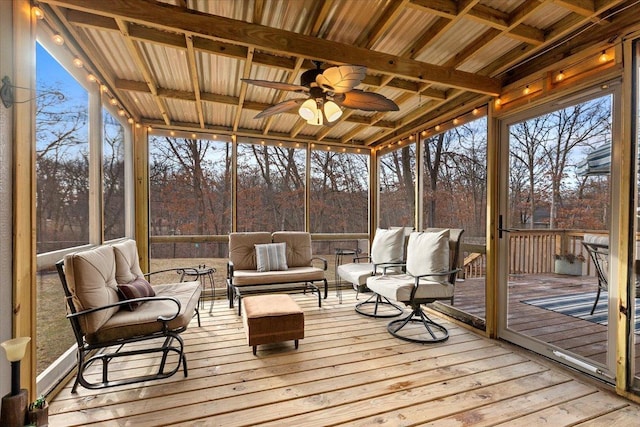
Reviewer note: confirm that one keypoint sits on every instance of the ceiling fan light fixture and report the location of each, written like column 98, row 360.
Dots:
column 332, row 111
column 308, row 110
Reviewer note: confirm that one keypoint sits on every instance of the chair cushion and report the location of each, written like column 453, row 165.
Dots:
column 356, row 272
column 399, row 286
column 271, row 257
column 143, row 321
column 127, row 261
column 387, row 245
column 91, row 276
column 242, row 251
column 138, row 288
column 428, row 252
column 291, row 275
column 298, row 247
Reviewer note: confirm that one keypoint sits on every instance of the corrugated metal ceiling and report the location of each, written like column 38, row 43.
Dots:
column 152, row 48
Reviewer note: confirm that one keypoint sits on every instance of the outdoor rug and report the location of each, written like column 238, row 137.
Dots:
column 579, row 305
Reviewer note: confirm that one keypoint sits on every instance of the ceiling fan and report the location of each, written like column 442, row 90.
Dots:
column 328, row 90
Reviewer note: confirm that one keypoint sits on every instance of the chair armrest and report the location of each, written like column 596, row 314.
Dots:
column 230, row 269
column 126, row 302
column 443, row 273
column 358, row 258
column 385, row 265
column 324, row 261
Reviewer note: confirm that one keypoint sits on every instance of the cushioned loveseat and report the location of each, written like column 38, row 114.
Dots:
column 111, row 305
column 263, row 262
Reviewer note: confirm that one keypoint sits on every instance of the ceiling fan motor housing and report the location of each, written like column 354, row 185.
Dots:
column 316, row 92
column 309, row 77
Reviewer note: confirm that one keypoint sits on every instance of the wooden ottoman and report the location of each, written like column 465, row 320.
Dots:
column 271, row 318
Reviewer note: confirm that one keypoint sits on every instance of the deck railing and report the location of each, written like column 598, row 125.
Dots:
column 532, row 252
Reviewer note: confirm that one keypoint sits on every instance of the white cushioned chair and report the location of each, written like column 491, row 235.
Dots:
column 431, row 270
column 386, row 257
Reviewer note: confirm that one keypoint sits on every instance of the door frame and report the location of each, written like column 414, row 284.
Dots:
column 606, row 372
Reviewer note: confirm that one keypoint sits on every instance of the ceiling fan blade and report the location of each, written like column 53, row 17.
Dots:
column 281, row 107
column 367, row 101
column 342, row 78
column 276, row 85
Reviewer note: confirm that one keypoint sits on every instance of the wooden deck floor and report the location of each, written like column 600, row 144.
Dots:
column 348, row 370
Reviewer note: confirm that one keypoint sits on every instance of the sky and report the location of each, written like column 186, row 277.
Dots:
column 50, row 72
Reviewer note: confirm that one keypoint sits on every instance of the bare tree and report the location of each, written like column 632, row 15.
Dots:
column 581, row 125
column 62, row 170
column 526, row 148
column 397, row 189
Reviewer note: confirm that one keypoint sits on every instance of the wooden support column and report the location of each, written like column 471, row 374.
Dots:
column 24, row 186
column 374, row 193
column 626, row 224
column 141, row 184
column 493, row 213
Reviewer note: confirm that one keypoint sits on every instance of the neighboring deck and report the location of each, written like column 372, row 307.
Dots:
column 348, row 370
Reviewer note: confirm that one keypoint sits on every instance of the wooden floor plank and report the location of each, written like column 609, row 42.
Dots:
column 348, row 370
column 575, row 411
column 514, row 408
column 620, row 417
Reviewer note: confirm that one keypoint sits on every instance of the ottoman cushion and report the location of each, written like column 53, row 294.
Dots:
column 271, row 318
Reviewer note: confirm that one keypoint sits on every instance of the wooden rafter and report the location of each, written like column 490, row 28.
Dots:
column 141, row 23
column 195, row 83
column 175, row 19
column 138, row 57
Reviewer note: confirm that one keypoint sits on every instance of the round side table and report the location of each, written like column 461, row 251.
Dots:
column 340, row 253
column 202, row 273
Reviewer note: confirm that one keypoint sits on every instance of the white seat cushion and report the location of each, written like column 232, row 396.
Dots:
column 399, row 286
column 356, row 272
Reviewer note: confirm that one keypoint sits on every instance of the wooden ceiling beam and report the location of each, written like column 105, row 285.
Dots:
column 91, row 56
column 90, row 20
column 258, row 11
column 195, row 80
column 223, row 130
column 555, row 34
column 352, row 133
column 297, row 128
column 581, row 7
column 419, row 115
column 443, row 8
column 172, row 18
column 438, row 30
column 320, row 15
column 138, row 58
column 369, row 38
column 235, row 51
column 246, row 73
column 177, row 40
column 468, row 51
column 525, row 10
column 473, row 10
column 133, row 86
column 431, row 33
column 282, row 95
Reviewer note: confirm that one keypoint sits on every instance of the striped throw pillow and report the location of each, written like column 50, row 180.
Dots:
column 271, row 257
